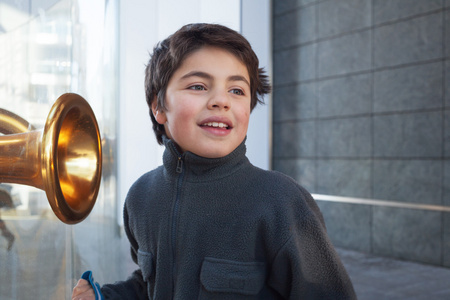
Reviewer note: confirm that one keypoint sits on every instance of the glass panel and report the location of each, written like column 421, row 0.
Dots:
column 49, row 48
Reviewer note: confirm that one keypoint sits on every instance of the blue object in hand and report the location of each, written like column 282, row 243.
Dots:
column 88, row 276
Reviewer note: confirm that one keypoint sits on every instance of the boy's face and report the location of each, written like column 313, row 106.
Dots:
column 208, row 103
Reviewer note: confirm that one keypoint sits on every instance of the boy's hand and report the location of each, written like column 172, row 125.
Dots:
column 83, row 291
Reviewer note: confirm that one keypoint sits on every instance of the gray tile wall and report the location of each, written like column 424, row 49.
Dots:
column 393, row 10
column 447, row 133
column 408, row 135
column 348, row 224
column 344, row 96
column 343, row 16
column 361, row 108
column 344, row 177
column 447, row 75
column 409, row 41
column 404, row 89
column 344, row 54
column 420, row 240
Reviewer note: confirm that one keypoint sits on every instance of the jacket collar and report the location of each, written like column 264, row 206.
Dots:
column 197, row 168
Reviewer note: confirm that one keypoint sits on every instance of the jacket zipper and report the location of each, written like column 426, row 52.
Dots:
column 176, row 205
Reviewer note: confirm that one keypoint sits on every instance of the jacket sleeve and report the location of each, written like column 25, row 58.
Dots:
column 307, row 265
column 134, row 287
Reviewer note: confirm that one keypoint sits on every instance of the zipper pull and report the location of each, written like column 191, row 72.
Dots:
column 179, row 165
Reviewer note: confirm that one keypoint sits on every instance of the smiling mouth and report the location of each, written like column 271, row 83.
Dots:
column 216, row 125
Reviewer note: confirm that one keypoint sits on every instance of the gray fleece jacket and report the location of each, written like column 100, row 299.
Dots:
column 223, row 229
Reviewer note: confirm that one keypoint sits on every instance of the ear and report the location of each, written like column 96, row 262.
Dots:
column 159, row 114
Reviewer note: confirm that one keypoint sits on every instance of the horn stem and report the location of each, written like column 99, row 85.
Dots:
column 11, row 123
column 20, row 159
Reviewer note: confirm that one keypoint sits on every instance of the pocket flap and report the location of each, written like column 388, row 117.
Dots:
column 220, row 275
column 145, row 262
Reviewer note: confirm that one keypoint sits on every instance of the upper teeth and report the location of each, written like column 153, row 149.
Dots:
column 216, row 124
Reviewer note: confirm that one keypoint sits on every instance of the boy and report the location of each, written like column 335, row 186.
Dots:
column 207, row 224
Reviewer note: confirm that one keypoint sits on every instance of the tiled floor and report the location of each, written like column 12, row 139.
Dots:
column 388, row 279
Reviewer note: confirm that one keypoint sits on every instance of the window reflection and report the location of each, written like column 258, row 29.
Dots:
column 46, row 51
column 6, row 202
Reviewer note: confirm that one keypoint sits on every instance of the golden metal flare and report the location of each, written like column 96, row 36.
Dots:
column 64, row 158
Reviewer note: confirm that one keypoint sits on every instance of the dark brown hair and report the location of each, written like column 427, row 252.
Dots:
column 169, row 54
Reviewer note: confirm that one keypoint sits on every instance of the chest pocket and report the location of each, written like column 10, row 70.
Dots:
column 145, row 261
column 226, row 279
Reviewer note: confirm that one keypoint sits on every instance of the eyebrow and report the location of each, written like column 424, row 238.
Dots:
column 239, row 78
column 209, row 77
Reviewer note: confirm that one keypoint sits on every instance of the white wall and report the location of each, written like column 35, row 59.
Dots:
column 136, row 144
column 256, row 27
column 142, row 25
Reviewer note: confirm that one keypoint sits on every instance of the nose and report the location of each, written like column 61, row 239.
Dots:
column 219, row 100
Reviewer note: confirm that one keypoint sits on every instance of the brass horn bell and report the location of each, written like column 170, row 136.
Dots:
column 64, row 158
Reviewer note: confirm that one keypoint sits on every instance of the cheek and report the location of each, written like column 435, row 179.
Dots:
column 181, row 119
column 244, row 115
column 185, row 114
